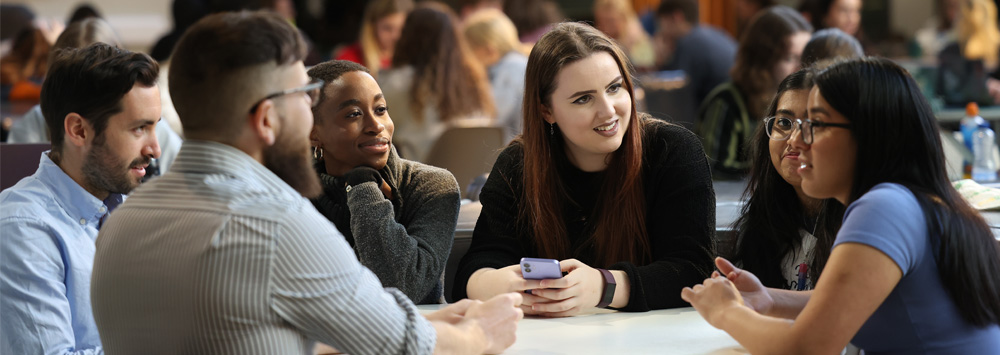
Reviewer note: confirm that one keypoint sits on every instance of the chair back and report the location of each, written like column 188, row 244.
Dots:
column 467, row 150
column 669, row 97
column 18, row 161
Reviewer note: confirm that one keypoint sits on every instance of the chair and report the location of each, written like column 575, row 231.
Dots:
column 668, row 96
column 18, row 161
column 467, row 149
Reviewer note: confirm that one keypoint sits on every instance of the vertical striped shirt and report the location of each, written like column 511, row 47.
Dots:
column 220, row 256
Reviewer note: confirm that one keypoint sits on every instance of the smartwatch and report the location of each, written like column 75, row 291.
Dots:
column 609, row 289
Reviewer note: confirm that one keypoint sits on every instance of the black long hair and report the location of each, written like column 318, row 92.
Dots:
column 893, row 124
column 769, row 223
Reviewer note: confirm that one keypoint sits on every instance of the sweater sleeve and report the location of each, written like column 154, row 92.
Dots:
column 494, row 242
column 680, row 221
column 408, row 257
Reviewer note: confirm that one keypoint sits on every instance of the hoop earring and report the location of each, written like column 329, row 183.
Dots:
column 317, row 153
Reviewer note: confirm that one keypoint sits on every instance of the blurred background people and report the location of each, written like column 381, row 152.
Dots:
column 770, row 49
column 533, row 18
column 964, row 65
column 618, row 20
column 842, row 14
column 469, row 7
column 380, row 30
column 493, row 40
column 939, row 30
column 746, row 9
column 434, row 79
column 703, row 52
column 828, row 45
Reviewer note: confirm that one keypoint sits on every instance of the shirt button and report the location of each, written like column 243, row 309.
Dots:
column 102, row 209
column 83, row 221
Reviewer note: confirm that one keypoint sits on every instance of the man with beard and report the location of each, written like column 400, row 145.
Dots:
column 101, row 104
column 224, row 254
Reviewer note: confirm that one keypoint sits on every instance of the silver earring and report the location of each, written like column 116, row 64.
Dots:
column 317, row 153
column 552, row 129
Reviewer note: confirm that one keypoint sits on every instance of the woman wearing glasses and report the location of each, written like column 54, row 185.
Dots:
column 913, row 269
column 783, row 236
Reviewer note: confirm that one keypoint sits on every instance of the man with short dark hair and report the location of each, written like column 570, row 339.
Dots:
column 225, row 255
column 101, row 104
column 704, row 53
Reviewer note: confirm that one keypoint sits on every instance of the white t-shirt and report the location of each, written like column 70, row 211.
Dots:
column 799, row 255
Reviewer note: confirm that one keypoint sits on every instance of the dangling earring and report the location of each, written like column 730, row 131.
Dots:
column 552, row 129
column 317, row 153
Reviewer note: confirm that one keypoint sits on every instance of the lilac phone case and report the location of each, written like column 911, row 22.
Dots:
column 539, row 269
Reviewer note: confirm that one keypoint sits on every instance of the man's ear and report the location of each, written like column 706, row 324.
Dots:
column 262, row 122
column 547, row 114
column 78, row 130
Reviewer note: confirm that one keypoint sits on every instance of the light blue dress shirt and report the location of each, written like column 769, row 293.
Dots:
column 49, row 225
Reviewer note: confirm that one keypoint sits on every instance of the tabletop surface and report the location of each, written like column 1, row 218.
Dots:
column 670, row 331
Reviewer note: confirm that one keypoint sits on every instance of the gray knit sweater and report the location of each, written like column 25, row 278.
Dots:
column 404, row 241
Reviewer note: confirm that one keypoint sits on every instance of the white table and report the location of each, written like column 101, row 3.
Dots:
column 671, row 331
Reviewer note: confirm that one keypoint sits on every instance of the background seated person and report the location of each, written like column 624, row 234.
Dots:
column 595, row 184
column 398, row 215
column 770, row 49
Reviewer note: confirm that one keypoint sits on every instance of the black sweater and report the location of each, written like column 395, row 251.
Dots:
column 680, row 218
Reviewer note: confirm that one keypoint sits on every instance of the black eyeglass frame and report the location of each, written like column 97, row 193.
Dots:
column 798, row 122
column 314, row 84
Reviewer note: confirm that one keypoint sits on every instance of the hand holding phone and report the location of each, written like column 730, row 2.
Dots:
column 540, row 269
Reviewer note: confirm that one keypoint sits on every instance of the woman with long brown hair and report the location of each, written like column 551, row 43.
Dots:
column 595, row 184
column 381, row 27
column 434, row 79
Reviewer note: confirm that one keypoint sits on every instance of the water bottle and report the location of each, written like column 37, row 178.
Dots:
column 968, row 125
column 984, row 169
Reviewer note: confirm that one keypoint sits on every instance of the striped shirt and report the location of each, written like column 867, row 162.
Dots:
column 220, row 256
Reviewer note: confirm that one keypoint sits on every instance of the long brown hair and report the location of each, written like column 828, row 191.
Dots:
column 375, row 11
column 446, row 75
column 620, row 229
column 762, row 45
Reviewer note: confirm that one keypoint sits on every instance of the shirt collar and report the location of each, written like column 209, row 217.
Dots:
column 73, row 198
column 207, row 157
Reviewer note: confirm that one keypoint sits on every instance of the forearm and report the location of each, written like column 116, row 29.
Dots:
column 461, row 338
column 757, row 333
column 787, row 303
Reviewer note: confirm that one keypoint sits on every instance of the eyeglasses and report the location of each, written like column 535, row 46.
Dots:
column 782, row 128
column 311, row 89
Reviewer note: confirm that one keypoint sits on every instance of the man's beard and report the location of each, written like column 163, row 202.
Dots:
column 289, row 159
column 102, row 170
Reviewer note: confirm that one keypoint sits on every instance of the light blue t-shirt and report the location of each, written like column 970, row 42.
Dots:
column 48, row 226
column 918, row 317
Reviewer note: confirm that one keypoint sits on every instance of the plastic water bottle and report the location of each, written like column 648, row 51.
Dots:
column 984, row 169
column 968, row 125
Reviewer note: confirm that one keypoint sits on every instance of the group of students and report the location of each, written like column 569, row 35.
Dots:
column 225, row 254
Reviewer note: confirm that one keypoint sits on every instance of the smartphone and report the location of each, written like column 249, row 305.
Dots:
column 539, row 269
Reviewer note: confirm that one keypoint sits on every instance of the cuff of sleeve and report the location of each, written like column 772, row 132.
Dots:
column 364, row 193
column 420, row 337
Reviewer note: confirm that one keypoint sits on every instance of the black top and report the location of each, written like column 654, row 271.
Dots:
column 680, row 218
